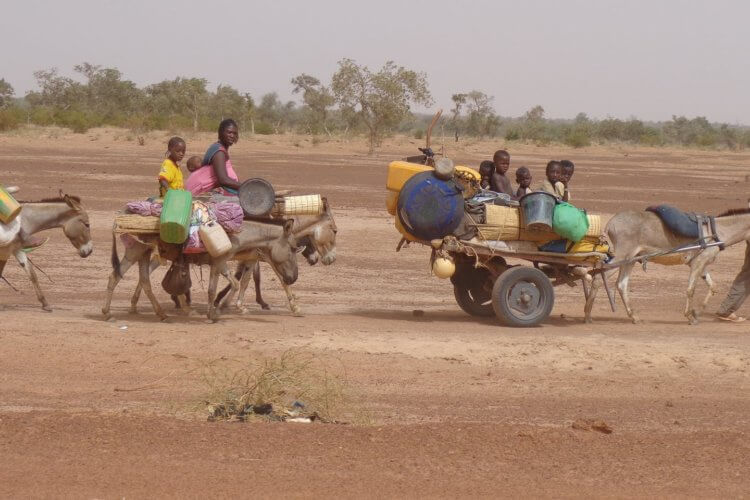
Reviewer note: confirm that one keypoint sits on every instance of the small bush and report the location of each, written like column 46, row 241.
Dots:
column 577, row 139
column 263, row 128
column 513, row 134
column 10, row 118
column 276, row 389
column 419, row 134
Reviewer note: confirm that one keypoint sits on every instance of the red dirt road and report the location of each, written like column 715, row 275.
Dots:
column 453, row 405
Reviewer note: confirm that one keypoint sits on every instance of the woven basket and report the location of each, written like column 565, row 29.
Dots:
column 131, row 223
column 503, row 223
column 308, row 204
column 595, row 225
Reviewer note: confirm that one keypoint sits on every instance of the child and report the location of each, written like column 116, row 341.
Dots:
column 567, row 173
column 498, row 180
column 523, row 178
column 170, row 175
column 552, row 184
column 194, row 163
column 486, row 169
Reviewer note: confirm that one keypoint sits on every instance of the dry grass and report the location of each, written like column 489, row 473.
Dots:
column 292, row 385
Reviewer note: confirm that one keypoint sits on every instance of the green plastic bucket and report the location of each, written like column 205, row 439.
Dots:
column 9, row 207
column 570, row 222
column 174, row 224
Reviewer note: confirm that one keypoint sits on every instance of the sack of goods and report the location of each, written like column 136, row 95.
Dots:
column 570, row 222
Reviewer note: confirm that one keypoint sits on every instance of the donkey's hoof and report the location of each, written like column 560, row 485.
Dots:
column 133, row 310
column 46, row 308
column 588, row 321
column 106, row 316
column 264, row 306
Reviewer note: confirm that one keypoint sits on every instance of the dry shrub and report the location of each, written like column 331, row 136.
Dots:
column 274, row 388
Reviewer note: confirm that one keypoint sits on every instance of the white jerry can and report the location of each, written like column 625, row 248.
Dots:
column 215, row 239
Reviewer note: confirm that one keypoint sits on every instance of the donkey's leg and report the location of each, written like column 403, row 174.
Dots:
column 593, row 290
column 213, row 282
column 711, row 289
column 290, row 297
column 229, row 292
column 184, row 305
column 137, row 293
column 216, row 269
column 125, row 264
column 29, row 268
column 698, row 267
column 258, row 298
column 623, row 280
column 145, row 282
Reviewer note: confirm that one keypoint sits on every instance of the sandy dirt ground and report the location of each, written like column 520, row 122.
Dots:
column 454, row 405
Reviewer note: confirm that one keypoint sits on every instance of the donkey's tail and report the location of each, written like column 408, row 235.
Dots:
column 115, row 258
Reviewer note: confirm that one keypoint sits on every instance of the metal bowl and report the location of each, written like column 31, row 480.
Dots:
column 256, row 197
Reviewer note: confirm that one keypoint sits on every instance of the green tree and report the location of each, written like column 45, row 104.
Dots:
column 55, row 91
column 481, row 119
column 459, row 100
column 181, row 97
column 107, row 94
column 380, row 100
column 6, row 93
column 273, row 113
column 317, row 99
column 534, row 125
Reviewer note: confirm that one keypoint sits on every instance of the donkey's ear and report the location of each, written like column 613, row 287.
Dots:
column 288, row 225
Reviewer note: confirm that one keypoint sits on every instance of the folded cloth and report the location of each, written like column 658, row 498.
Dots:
column 145, row 208
column 229, row 215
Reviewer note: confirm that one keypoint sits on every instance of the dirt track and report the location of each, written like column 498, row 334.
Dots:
column 458, row 406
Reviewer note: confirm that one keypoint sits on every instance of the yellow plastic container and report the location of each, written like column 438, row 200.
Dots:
column 401, row 171
column 215, row 239
column 9, row 207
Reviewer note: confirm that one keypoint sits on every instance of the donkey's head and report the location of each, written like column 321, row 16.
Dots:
column 323, row 236
column 284, row 254
column 77, row 227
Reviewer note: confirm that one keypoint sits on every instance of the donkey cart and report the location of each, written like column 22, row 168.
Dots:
column 485, row 284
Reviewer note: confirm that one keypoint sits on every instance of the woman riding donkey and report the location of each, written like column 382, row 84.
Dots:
column 217, row 173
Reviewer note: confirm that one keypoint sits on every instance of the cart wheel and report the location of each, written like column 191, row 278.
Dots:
column 475, row 301
column 522, row 296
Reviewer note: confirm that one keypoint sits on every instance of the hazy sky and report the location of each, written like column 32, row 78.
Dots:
column 649, row 59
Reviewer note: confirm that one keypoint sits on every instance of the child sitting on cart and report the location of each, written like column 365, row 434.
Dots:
column 523, row 178
column 499, row 182
column 567, row 168
column 486, row 169
column 552, row 184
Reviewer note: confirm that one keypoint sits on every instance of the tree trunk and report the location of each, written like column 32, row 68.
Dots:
column 252, row 126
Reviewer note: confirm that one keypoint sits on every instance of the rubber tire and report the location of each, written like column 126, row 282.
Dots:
column 469, row 306
column 505, row 283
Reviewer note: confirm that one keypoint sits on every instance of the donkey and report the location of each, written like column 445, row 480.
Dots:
column 635, row 233
column 316, row 233
column 274, row 243
column 66, row 212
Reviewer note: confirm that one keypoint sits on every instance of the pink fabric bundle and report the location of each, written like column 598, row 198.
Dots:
column 229, row 215
column 144, row 208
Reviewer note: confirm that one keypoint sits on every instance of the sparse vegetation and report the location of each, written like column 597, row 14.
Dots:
column 291, row 385
column 358, row 101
